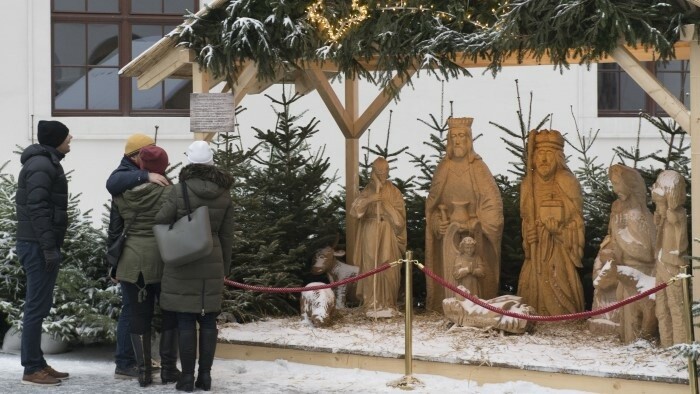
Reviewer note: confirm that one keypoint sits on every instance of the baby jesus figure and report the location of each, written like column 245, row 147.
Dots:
column 468, row 267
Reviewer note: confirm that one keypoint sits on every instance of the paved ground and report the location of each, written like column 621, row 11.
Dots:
column 91, row 370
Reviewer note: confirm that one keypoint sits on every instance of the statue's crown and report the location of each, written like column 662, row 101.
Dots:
column 460, row 122
column 551, row 138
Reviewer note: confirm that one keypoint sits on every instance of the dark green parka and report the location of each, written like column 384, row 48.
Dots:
column 140, row 254
column 197, row 286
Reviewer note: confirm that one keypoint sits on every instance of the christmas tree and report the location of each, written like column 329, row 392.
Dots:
column 84, row 301
column 283, row 212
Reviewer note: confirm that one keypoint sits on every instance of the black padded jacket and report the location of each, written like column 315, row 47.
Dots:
column 42, row 197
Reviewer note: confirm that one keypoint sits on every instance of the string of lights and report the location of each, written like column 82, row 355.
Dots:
column 316, row 11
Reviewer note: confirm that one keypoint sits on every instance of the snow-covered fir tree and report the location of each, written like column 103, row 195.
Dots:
column 85, row 303
column 12, row 286
column 283, row 212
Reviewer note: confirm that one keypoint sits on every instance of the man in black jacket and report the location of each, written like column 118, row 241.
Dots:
column 42, row 220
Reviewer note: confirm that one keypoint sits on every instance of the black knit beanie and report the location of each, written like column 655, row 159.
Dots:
column 51, row 132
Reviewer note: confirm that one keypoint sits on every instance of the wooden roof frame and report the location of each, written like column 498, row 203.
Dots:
column 165, row 60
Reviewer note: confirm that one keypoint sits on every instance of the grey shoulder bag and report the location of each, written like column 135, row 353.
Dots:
column 186, row 239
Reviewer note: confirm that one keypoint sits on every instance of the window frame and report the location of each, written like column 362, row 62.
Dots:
column 650, row 106
column 124, row 19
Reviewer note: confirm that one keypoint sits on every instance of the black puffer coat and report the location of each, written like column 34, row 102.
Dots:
column 197, row 286
column 42, row 197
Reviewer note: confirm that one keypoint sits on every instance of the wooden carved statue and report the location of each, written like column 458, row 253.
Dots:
column 464, row 313
column 632, row 237
column 671, row 220
column 639, row 320
column 326, row 261
column 469, row 267
column 317, row 306
column 463, row 201
column 551, row 208
column 604, row 293
column 381, row 238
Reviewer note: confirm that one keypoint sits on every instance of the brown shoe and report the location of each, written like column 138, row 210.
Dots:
column 40, row 378
column 55, row 374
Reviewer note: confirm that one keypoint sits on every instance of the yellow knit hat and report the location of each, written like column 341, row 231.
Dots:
column 135, row 142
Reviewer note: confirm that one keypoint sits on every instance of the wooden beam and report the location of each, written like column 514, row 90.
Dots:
column 302, row 84
column 164, row 67
column 174, row 58
column 481, row 374
column 655, row 89
column 380, row 102
column 352, row 167
column 201, row 82
column 695, row 163
column 325, row 90
column 259, row 86
column 244, row 79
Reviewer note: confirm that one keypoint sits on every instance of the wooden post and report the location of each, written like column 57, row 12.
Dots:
column 694, row 151
column 352, row 167
column 201, row 81
column 688, row 313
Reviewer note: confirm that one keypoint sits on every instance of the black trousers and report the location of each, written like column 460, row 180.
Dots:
column 143, row 301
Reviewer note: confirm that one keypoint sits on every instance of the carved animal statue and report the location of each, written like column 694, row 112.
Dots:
column 638, row 319
column 326, row 262
column 317, row 306
column 604, row 295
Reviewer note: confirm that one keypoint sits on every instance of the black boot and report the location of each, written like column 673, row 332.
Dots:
column 142, row 352
column 168, row 357
column 207, row 348
column 188, row 355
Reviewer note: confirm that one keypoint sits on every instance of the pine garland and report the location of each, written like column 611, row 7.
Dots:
column 401, row 36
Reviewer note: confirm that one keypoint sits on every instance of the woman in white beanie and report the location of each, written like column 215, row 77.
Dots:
column 199, row 152
column 194, row 290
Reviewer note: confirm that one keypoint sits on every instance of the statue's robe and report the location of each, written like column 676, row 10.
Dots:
column 470, row 181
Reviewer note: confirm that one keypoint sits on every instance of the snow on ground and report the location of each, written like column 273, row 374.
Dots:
column 568, row 348
column 554, row 347
column 92, row 371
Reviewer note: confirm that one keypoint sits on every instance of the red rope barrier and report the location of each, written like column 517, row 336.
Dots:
column 570, row 316
column 310, row 288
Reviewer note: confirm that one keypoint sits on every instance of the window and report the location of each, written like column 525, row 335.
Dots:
column 620, row 95
column 93, row 39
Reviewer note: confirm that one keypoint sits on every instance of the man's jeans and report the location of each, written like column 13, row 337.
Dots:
column 124, row 355
column 37, row 304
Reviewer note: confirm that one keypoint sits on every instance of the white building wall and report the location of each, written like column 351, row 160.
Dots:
column 98, row 141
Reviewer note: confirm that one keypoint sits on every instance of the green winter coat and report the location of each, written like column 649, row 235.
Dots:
column 140, row 254
column 197, row 286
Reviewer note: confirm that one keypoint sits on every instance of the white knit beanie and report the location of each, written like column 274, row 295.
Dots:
column 199, row 152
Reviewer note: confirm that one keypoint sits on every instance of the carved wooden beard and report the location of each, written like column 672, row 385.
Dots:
column 459, row 152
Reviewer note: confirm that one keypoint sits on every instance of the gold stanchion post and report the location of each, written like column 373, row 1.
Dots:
column 408, row 267
column 687, row 296
column 408, row 381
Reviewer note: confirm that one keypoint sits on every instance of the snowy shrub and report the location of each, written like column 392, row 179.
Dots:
column 86, row 304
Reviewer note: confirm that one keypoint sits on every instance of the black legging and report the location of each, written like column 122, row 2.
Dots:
column 144, row 300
